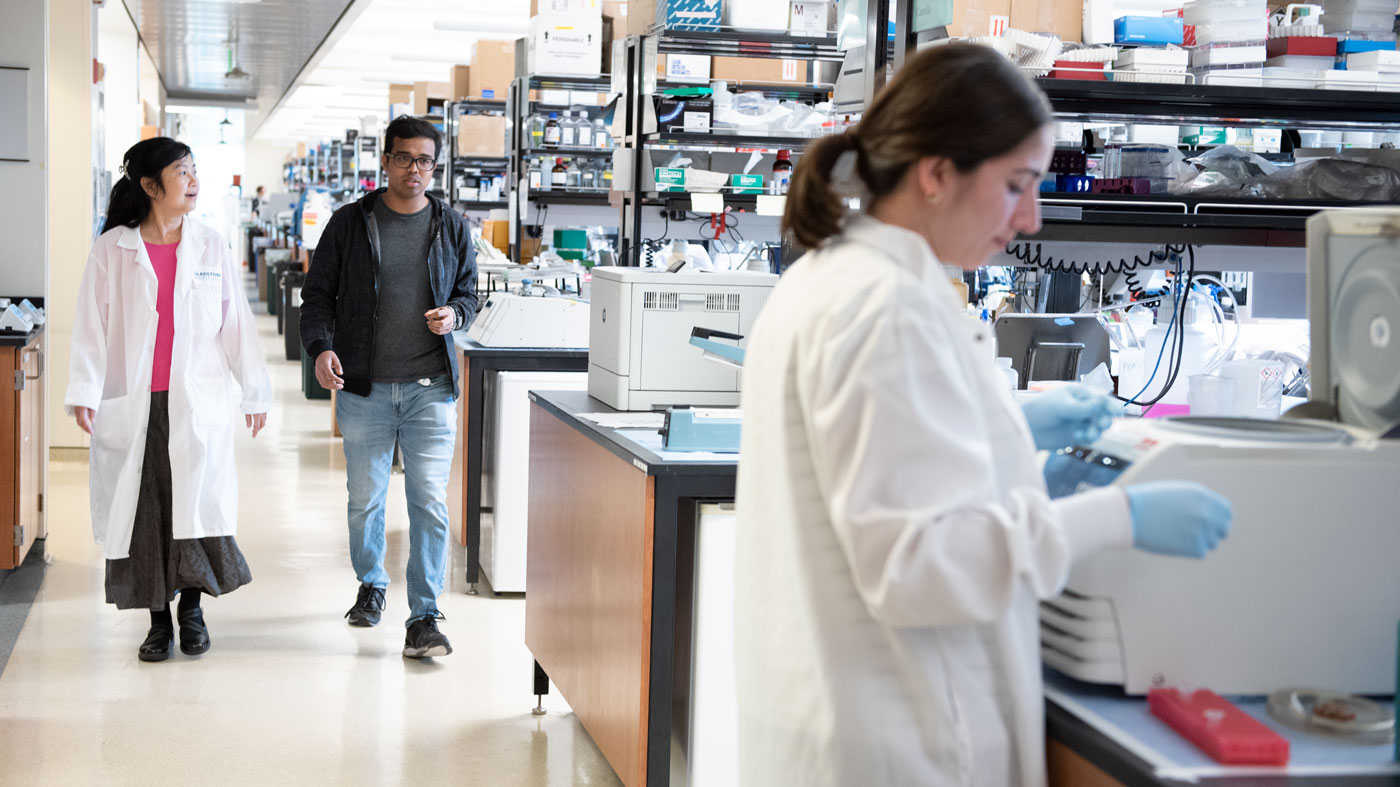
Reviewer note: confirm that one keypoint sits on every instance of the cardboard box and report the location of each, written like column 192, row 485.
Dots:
column 617, row 12
column 757, row 69
column 496, row 233
column 565, row 46
column 492, row 70
column 691, row 14
column 425, row 93
column 670, row 179
column 684, row 113
column 481, row 135
column 1064, row 18
column 755, row 14
column 973, row 18
column 401, row 94
column 461, row 82
column 151, row 132
column 641, row 15
column 1147, row 30
column 810, row 19
column 538, row 7
column 688, row 68
column 746, row 184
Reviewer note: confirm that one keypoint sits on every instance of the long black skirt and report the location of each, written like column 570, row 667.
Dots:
column 159, row 565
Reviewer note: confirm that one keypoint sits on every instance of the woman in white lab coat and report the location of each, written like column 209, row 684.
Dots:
column 895, row 535
column 161, row 320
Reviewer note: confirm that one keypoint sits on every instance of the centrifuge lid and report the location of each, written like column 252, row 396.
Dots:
column 1256, row 429
column 1354, row 308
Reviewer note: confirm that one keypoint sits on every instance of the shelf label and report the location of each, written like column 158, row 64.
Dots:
column 707, row 203
column 771, row 204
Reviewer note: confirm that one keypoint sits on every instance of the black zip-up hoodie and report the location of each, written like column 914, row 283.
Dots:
column 340, row 299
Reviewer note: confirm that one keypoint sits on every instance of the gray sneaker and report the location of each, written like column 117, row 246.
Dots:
column 424, row 640
column 368, row 605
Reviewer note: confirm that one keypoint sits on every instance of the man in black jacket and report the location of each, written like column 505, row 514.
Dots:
column 393, row 275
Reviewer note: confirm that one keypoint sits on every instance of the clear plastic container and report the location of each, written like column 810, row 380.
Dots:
column 1359, row 22
column 1235, row 30
column 1210, row 394
column 1200, row 12
column 1358, row 6
column 1213, row 55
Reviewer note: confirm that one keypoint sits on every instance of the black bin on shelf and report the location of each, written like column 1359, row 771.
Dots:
column 274, row 290
column 290, row 313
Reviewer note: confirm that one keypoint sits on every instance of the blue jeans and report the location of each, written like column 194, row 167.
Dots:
column 423, row 419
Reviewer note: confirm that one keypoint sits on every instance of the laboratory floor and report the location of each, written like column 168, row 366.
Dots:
column 288, row 694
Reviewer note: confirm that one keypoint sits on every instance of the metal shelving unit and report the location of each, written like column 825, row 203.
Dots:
column 642, row 52
column 519, row 107
column 1266, row 107
column 455, row 165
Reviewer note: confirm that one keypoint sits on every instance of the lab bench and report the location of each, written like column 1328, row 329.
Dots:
column 612, row 603
column 23, row 459
column 1098, row 737
column 479, row 365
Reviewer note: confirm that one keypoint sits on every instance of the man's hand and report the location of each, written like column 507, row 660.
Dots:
column 256, row 422
column 84, row 416
column 442, row 320
column 328, row 371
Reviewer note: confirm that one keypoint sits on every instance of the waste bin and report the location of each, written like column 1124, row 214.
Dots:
column 274, row 286
column 309, row 384
column 290, row 313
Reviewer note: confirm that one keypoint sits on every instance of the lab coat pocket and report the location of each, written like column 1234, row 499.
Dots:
column 209, row 401
column 114, row 424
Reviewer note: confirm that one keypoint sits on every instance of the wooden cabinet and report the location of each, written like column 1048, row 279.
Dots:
column 22, row 458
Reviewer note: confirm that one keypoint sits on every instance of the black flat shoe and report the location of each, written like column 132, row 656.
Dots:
column 157, row 645
column 194, row 635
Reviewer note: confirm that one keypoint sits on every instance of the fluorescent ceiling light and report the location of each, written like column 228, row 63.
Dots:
column 482, row 26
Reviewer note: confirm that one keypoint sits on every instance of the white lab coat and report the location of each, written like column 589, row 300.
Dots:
column 894, row 534
column 114, row 340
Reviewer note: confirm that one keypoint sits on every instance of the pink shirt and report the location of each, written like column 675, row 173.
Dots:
column 163, row 260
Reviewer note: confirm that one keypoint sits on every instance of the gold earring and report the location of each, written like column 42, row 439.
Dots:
column 933, row 199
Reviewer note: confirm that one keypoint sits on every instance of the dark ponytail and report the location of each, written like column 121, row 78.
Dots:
column 814, row 209
column 128, row 205
column 963, row 102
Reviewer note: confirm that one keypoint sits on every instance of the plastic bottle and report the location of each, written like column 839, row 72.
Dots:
column 585, row 131
column 1004, row 364
column 573, row 175
column 537, row 176
column 552, row 131
column 588, row 176
column 568, row 130
column 602, row 138
column 559, row 175
column 535, row 129
column 782, row 172
column 1199, row 355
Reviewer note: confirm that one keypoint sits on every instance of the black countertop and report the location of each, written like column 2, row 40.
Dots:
column 8, row 339
column 570, row 406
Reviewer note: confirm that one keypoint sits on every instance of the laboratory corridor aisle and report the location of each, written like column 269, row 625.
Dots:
column 288, row 694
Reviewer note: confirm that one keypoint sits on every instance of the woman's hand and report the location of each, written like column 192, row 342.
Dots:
column 255, row 421
column 84, row 416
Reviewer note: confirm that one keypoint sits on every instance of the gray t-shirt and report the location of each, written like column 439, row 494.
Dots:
column 404, row 349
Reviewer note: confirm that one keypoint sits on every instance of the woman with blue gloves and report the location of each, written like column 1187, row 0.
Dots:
column 895, row 536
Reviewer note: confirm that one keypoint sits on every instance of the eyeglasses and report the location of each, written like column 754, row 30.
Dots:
column 404, row 161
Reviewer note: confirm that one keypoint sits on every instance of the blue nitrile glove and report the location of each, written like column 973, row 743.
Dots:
column 1177, row 518
column 1068, row 415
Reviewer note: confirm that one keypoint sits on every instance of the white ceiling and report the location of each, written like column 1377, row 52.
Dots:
column 380, row 42
column 317, row 67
